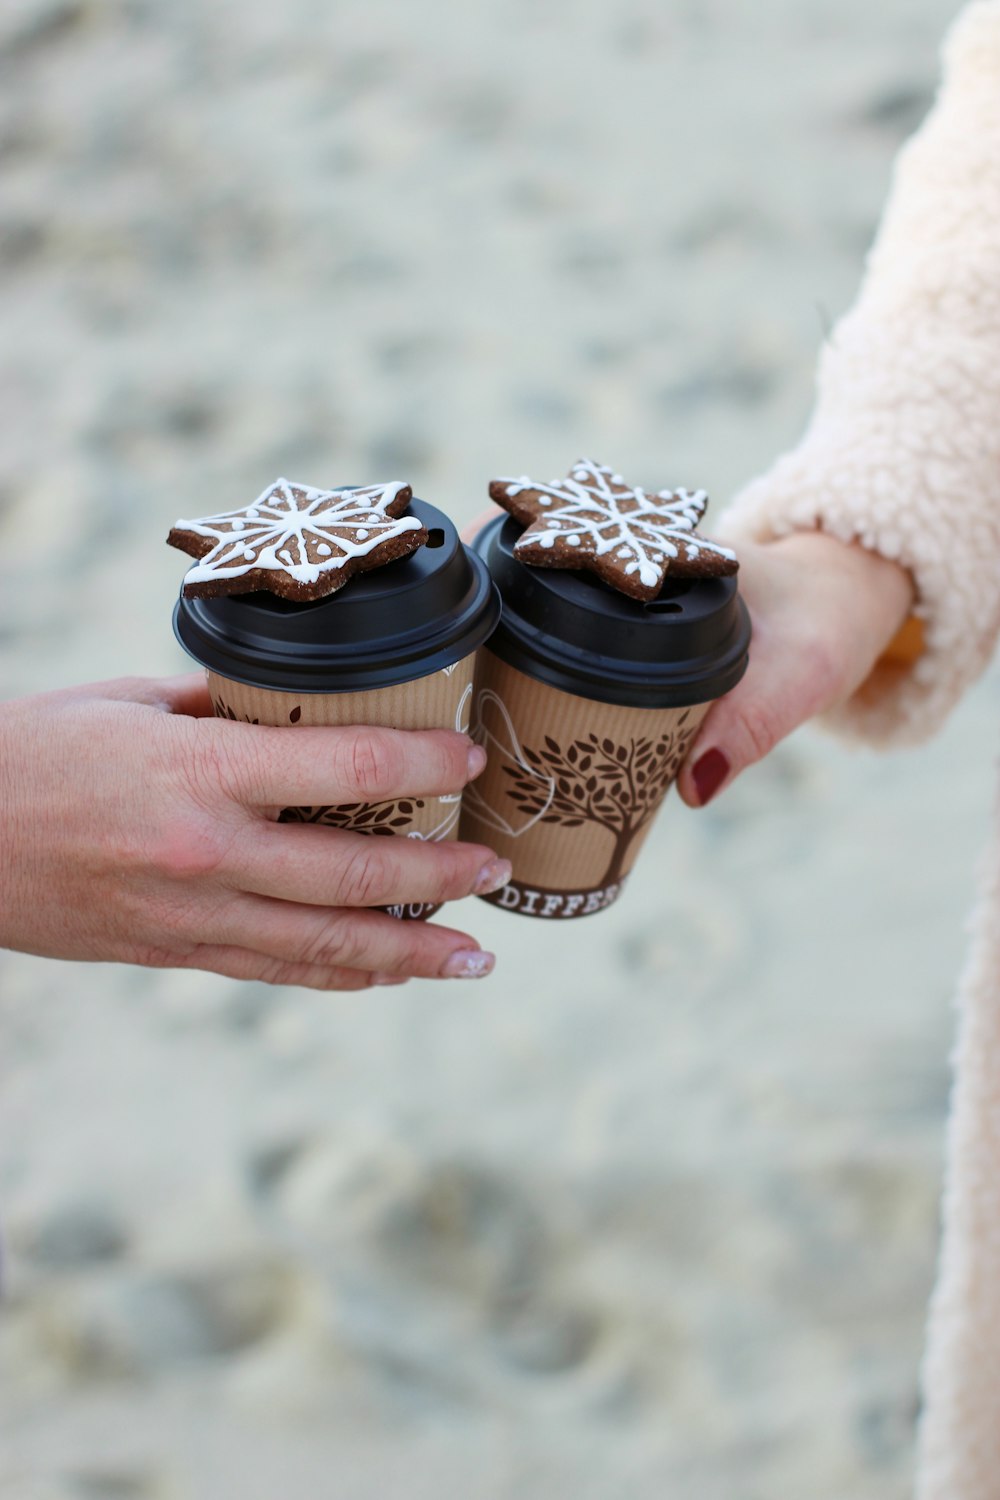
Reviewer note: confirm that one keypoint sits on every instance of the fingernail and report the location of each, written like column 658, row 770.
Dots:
column 468, row 964
column 390, row 979
column 477, row 760
column 492, row 877
column 708, row 773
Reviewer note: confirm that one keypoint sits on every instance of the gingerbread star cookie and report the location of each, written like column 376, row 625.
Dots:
column 631, row 539
column 299, row 542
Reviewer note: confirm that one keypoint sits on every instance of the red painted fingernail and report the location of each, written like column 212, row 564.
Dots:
column 708, row 773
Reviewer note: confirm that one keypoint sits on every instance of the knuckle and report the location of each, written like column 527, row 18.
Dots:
column 760, row 730
column 825, row 670
column 370, row 762
column 336, row 944
column 156, row 956
column 311, row 977
column 215, row 765
column 454, row 749
column 340, row 979
column 275, row 971
column 189, row 849
column 455, row 872
column 366, row 876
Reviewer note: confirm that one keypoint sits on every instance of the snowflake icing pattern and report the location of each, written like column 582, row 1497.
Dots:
column 297, row 540
column 594, row 520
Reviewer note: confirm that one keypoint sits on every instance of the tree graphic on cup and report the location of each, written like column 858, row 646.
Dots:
column 359, row 817
column 598, row 780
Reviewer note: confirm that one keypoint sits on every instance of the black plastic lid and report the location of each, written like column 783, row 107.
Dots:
column 386, row 627
column 570, row 630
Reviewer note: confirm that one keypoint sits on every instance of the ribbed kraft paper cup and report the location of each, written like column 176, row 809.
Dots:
column 587, row 702
column 440, row 701
column 570, row 790
column 395, row 648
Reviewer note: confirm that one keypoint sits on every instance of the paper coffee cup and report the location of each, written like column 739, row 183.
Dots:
column 587, row 702
column 440, row 701
column 395, row 648
column 570, row 789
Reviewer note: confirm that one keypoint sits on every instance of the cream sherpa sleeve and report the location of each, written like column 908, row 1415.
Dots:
column 903, row 449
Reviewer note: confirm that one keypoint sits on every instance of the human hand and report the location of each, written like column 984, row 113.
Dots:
column 136, row 828
column 823, row 613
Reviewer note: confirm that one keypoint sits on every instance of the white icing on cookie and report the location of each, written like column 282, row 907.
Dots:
column 299, row 531
column 596, row 508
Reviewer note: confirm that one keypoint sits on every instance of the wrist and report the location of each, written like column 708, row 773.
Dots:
column 878, row 593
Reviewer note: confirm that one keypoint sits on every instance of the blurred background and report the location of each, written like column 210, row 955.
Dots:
column 653, row 1211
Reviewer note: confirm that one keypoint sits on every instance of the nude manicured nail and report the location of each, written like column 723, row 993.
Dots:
column 708, row 773
column 492, row 877
column 477, row 760
column 468, row 964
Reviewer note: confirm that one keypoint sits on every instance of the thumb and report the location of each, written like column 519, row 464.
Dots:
column 823, row 612
column 780, row 691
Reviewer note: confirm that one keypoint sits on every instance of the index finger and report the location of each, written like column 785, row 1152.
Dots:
column 315, row 766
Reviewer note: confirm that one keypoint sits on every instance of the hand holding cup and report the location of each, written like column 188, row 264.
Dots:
column 827, row 615
column 592, row 689
column 137, row 828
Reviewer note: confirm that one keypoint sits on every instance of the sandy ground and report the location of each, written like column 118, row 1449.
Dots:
column 651, row 1212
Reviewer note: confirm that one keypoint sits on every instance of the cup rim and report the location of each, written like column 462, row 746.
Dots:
column 433, row 611
column 712, row 615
